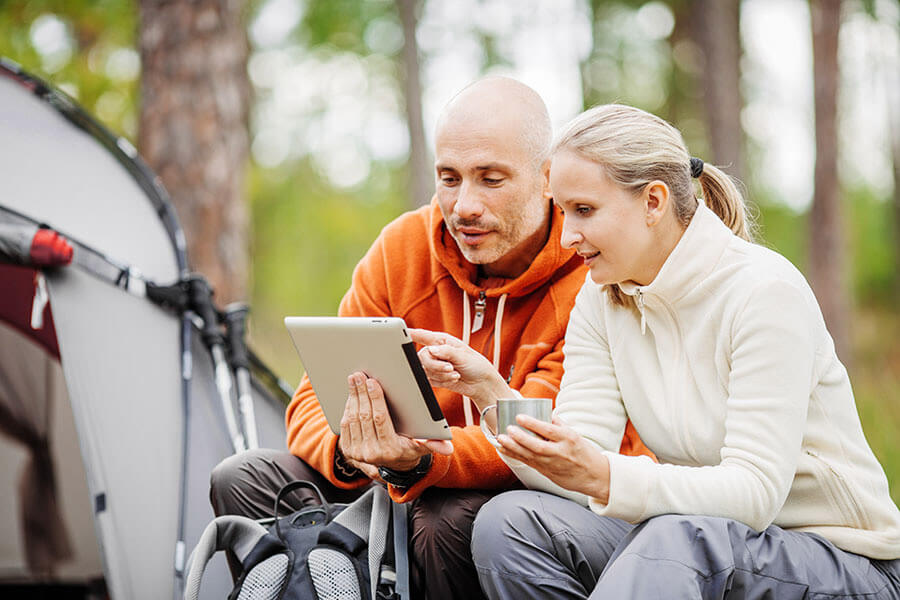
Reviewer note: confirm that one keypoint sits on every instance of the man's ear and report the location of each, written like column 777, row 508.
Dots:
column 545, row 180
column 656, row 200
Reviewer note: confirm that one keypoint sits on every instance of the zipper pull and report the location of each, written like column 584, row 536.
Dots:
column 480, row 303
column 640, row 305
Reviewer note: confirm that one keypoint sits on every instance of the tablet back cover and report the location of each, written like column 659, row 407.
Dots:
column 331, row 348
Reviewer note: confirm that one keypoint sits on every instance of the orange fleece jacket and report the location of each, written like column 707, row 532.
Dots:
column 415, row 270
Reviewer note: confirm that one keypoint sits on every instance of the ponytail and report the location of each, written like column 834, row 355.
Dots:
column 723, row 198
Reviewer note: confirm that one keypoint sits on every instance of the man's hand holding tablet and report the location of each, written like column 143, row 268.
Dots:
column 368, row 439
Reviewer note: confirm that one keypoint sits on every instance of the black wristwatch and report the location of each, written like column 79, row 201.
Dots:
column 406, row 479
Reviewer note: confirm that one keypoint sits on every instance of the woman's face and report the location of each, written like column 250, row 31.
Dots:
column 608, row 226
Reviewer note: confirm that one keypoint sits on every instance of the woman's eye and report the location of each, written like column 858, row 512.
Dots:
column 583, row 210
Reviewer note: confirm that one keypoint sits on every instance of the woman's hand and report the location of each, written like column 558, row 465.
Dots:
column 453, row 365
column 563, row 456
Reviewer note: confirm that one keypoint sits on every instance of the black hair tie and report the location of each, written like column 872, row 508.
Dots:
column 696, row 167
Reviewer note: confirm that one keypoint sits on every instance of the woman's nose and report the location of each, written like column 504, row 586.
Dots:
column 569, row 238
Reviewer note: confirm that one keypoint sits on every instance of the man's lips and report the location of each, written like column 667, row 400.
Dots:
column 472, row 235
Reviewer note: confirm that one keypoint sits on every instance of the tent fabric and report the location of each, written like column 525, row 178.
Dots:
column 26, row 403
column 31, row 374
column 121, row 356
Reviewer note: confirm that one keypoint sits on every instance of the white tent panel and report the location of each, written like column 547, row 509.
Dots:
column 33, row 377
column 57, row 173
column 118, row 354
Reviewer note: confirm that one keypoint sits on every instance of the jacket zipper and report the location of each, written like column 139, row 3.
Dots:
column 639, row 299
column 480, row 305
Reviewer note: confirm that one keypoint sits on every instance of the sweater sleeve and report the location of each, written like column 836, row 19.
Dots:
column 589, row 400
column 772, row 361
column 308, row 433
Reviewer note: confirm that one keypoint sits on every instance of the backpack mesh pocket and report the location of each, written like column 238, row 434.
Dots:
column 333, row 575
column 265, row 580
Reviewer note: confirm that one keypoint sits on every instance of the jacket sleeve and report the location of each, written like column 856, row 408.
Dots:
column 772, row 372
column 308, row 433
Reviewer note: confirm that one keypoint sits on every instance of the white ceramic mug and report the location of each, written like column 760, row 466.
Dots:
column 507, row 410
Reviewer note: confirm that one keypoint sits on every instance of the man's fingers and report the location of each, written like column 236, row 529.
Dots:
column 425, row 337
column 433, row 362
column 444, row 447
column 365, row 407
column 381, row 418
column 351, row 414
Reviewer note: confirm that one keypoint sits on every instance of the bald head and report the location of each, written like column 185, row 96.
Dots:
column 504, row 105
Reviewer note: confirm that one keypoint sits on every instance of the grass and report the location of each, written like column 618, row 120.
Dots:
column 875, row 377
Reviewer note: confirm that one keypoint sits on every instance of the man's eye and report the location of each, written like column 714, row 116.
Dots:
column 492, row 181
column 448, row 180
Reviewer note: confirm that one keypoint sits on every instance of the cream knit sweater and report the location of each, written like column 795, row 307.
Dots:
column 730, row 377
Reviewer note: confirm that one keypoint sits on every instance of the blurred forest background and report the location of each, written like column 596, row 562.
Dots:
column 289, row 132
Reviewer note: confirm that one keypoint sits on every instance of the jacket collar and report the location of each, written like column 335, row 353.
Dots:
column 551, row 257
column 694, row 257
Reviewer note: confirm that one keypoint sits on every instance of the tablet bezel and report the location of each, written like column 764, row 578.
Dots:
column 331, row 348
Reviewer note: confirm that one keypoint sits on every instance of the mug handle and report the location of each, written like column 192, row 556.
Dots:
column 484, row 428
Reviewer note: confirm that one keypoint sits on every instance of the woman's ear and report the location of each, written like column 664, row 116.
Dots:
column 656, row 201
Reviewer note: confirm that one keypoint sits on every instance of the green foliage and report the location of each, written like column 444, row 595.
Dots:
column 342, row 24
column 91, row 61
column 307, row 237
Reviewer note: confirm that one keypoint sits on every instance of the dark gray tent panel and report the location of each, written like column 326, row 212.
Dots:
column 118, row 446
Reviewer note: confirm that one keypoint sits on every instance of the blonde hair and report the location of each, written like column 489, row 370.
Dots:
column 634, row 147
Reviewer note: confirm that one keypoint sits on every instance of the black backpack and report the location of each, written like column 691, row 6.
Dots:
column 324, row 552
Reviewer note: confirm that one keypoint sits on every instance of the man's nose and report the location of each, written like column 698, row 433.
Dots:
column 468, row 203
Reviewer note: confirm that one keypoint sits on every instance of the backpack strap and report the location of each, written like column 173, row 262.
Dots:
column 379, row 523
column 234, row 532
column 369, row 518
column 290, row 487
column 401, row 550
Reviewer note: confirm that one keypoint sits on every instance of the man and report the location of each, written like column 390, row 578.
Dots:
column 483, row 263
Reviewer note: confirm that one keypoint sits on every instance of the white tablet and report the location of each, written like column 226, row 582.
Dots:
column 331, row 348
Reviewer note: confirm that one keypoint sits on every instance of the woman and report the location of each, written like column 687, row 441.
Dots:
column 716, row 350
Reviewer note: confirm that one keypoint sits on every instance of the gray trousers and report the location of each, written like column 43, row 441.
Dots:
column 535, row 545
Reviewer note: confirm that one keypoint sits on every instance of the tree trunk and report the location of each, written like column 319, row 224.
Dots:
column 420, row 171
column 193, row 128
column 717, row 32
column 892, row 84
column 827, row 251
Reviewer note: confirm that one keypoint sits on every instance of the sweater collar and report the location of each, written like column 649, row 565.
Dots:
column 695, row 255
column 551, row 257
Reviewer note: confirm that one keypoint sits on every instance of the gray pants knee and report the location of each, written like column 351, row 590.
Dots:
column 533, row 544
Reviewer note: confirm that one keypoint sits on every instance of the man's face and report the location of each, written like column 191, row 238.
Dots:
column 493, row 196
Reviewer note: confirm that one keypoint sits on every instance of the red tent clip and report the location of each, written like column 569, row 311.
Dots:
column 49, row 249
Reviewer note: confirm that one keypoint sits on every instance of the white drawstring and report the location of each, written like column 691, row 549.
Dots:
column 497, row 321
column 467, row 325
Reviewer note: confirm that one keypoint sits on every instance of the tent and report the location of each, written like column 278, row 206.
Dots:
column 112, row 410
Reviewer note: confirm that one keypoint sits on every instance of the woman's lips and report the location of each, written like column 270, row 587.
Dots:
column 589, row 258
